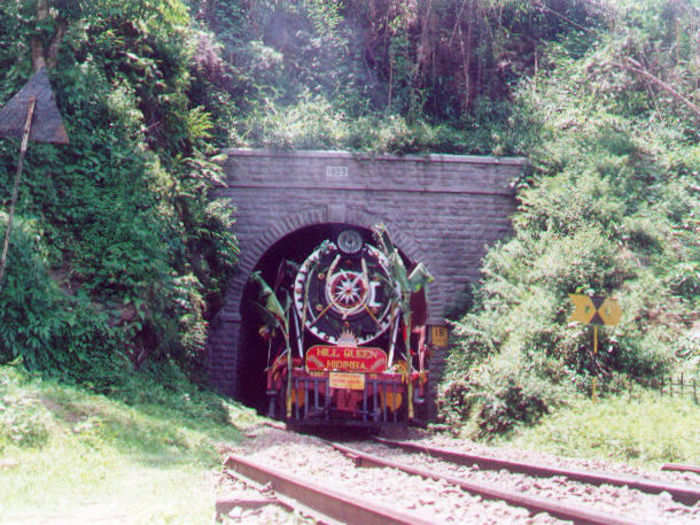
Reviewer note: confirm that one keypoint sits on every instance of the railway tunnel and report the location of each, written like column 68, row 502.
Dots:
column 441, row 210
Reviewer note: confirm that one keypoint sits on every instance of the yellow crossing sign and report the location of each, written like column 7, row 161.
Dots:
column 595, row 309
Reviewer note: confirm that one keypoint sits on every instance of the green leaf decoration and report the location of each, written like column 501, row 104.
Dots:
column 271, row 304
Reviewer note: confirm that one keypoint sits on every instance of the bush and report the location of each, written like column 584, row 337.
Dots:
column 497, row 396
column 640, row 428
column 45, row 327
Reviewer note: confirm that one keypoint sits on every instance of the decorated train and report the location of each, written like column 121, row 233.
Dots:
column 345, row 334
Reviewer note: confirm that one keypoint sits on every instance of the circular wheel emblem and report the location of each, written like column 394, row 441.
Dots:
column 339, row 293
column 347, row 291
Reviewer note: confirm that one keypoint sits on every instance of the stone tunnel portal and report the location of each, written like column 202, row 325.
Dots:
column 441, row 210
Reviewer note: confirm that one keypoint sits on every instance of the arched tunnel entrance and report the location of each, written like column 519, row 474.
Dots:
column 254, row 351
column 441, row 210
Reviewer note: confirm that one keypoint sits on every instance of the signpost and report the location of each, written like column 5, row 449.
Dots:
column 596, row 310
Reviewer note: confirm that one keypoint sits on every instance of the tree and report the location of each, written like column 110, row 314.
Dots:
column 44, row 53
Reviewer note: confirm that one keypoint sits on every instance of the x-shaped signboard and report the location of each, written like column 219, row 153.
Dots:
column 595, row 309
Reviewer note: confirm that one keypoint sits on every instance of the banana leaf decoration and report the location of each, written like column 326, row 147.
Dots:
column 419, row 278
column 408, row 283
column 270, row 305
column 290, row 268
column 277, row 316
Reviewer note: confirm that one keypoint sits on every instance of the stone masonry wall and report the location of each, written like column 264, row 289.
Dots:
column 442, row 210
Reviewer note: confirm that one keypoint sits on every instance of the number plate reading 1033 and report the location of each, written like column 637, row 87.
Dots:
column 347, row 381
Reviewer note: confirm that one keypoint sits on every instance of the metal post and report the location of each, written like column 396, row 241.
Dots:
column 306, row 397
column 293, row 393
column 327, row 409
column 384, row 402
column 364, row 401
column 317, row 387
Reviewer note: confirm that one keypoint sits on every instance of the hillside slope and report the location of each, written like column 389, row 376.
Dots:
column 119, row 256
column 611, row 208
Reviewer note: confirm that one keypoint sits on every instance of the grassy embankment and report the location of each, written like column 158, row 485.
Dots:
column 145, row 454
column 644, row 429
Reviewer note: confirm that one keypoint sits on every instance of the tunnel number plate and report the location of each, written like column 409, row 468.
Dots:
column 349, row 381
column 336, row 172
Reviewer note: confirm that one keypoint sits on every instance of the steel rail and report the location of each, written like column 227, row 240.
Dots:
column 681, row 468
column 535, row 505
column 688, row 495
column 326, row 501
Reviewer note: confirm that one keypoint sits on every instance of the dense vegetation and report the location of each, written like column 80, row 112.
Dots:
column 119, row 257
column 383, row 75
column 610, row 208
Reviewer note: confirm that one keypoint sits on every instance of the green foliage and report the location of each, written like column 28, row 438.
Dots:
column 644, row 428
column 308, row 124
column 44, row 327
column 24, row 424
column 313, row 122
column 130, row 235
column 32, row 408
column 382, row 76
column 148, row 447
column 608, row 209
column 497, row 396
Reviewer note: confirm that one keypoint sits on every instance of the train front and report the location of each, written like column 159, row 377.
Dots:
column 347, row 344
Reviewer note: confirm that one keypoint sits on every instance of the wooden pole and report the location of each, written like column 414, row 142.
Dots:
column 15, row 189
column 595, row 340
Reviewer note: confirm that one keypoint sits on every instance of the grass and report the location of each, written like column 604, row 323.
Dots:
column 646, row 430
column 146, row 454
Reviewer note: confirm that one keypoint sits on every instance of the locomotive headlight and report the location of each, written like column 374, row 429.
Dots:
column 350, row 241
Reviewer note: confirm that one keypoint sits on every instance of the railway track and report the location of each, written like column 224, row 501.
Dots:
column 684, row 494
column 327, row 503
column 681, row 468
column 418, row 484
